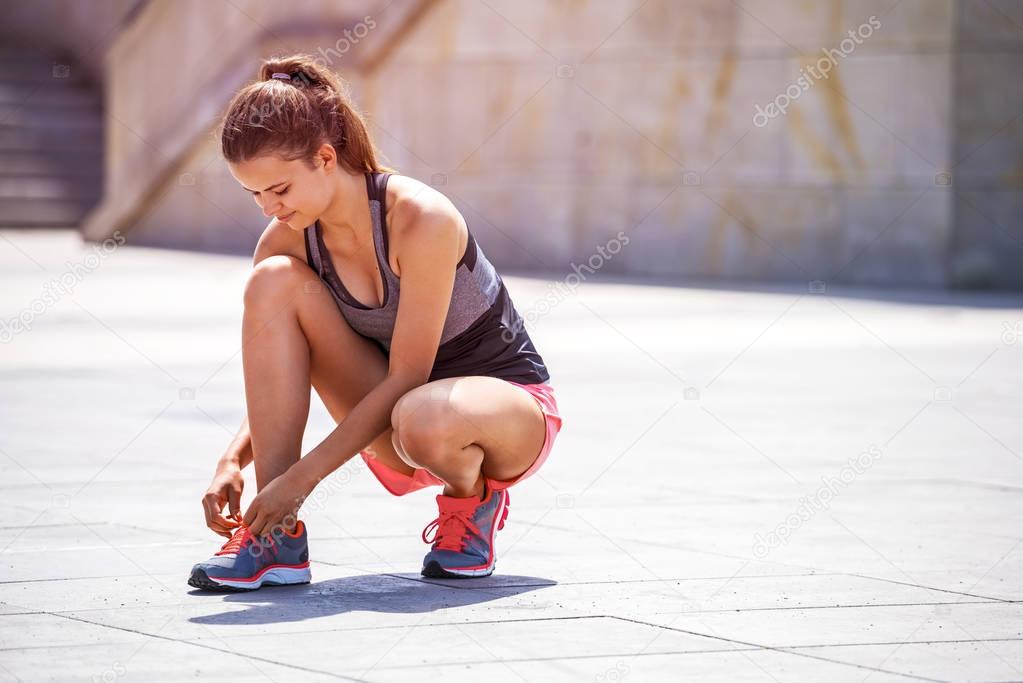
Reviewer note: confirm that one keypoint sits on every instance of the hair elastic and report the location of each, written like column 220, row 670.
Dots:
column 282, row 76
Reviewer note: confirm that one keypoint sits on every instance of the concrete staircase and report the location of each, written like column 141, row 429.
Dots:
column 51, row 141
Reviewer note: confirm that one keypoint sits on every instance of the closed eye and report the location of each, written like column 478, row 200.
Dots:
column 279, row 194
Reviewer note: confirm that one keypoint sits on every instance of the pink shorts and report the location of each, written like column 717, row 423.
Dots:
column 399, row 484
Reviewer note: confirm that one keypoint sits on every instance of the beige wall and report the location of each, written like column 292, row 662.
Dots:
column 554, row 126
column 672, row 91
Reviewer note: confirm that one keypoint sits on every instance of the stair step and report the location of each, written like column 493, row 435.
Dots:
column 74, row 173
column 39, row 226
column 24, row 212
column 66, row 162
column 81, row 189
column 43, row 72
column 37, row 164
column 14, row 139
column 51, row 140
column 36, row 117
column 57, row 95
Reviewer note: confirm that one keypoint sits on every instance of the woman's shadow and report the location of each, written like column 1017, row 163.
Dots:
column 392, row 593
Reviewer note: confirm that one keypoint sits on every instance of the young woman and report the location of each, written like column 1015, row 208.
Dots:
column 367, row 286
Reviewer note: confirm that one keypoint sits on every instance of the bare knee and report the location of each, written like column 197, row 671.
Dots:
column 400, row 450
column 395, row 439
column 422, row 432
column 275, row 279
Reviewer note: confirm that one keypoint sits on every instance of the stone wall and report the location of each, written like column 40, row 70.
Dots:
column 559, row 128
column 987, row 247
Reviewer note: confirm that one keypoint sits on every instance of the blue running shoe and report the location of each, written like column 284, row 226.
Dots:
column 246, row 563
column 463, row 542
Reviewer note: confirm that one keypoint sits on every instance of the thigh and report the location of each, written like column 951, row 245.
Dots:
column 344, row 366
column 499, row 417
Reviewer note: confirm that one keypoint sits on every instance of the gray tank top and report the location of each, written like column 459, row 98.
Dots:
column 483, row 333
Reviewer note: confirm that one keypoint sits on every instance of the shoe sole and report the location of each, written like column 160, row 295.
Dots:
column 433, row 570
column 278, row 576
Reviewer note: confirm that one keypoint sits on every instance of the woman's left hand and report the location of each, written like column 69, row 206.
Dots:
column 275, row 506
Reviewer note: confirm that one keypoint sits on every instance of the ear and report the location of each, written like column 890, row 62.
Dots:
column 326, row 157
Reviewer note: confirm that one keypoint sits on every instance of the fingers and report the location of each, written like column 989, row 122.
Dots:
column 256, row 517
column 259, row 518
column 212, row 504
column 259, row 523
column 210, row 507
column 250, row 515
column 223, row 526
column 234, row 501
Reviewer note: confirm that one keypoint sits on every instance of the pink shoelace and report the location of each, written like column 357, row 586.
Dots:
column 237, row 541
column 452, row 529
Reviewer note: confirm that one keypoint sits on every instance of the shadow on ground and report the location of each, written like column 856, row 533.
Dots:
column 388, row 593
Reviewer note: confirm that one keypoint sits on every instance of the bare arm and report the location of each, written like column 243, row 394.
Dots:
column 226, row 487
column 364, row 423
column 239, row 451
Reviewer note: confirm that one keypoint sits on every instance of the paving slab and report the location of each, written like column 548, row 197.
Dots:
column 950, row 660
column 855, row 625
column 698, row 519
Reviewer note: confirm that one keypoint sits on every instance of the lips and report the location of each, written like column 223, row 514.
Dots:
column 284, row 219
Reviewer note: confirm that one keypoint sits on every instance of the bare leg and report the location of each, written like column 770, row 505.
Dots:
column 463, row 473
column 294, row 337
column 463, row 429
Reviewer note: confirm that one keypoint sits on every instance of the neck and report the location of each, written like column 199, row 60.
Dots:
column 347, row 219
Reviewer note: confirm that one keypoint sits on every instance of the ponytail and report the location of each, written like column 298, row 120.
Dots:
column 293, row 116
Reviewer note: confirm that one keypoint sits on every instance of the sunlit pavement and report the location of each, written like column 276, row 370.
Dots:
column 773, row 482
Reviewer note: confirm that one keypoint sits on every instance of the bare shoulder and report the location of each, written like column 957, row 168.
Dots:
column 412, row 205
column 279, row 238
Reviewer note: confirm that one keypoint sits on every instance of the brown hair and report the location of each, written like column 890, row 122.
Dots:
column 293, row 118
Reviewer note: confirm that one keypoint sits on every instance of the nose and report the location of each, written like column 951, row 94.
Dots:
column 275, row 206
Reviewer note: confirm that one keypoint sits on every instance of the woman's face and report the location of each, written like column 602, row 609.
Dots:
column 289, row 190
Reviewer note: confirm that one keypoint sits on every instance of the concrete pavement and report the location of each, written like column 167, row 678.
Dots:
column 755, row 483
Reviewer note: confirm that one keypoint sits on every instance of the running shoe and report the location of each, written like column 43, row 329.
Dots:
column 246, row 563
column 464, row 531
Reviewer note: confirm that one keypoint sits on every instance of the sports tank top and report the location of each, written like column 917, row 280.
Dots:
column 483, row 333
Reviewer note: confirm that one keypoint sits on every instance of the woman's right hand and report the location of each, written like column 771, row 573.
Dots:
column 226, row 489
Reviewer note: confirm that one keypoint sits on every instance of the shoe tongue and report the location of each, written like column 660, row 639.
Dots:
column 452, row 503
